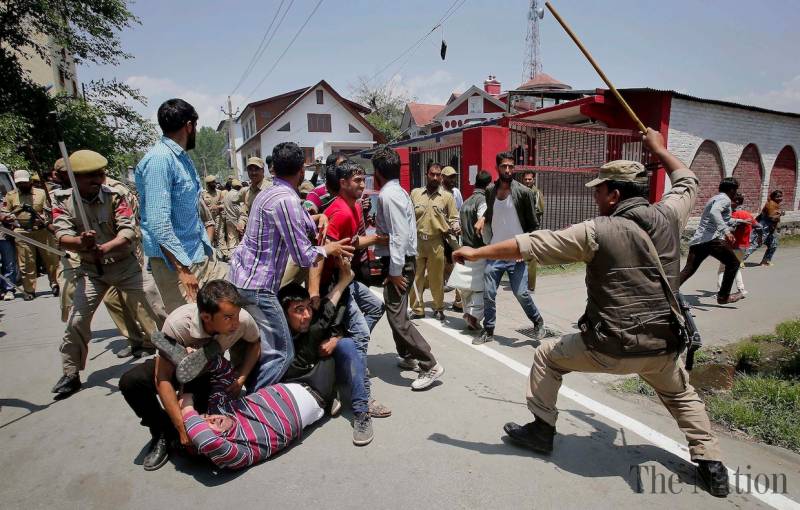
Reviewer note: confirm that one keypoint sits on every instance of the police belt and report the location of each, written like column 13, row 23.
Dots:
column 428, row 237
column 110, row 260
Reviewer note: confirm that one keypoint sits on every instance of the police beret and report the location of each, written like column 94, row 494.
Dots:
column 211, row 178
column 59, row 165
column 448, row 170
column 86, row 161
column 236, row 182
column 256, row 161
column 619, row 170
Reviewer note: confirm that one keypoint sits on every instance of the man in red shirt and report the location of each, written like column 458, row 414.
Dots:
column 346, row 220
column 741, row 236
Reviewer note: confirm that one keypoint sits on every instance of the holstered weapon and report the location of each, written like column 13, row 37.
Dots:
column 693, row 339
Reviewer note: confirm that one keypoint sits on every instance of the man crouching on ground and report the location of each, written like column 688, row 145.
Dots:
column 211, row 326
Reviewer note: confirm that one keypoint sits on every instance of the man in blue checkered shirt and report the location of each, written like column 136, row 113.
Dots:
column 173, row 235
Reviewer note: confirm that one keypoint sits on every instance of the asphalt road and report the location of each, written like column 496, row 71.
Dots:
column 442, row 448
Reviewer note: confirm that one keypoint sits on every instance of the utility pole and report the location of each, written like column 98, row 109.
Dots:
column 232, row 136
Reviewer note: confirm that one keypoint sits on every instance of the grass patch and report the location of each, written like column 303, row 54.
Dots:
column 702, row 356
column 792, row 240
column 765, row 407
column 747, row 356
column 560, row 269
column 788, row 332
column 635, row 385
column 769, row 337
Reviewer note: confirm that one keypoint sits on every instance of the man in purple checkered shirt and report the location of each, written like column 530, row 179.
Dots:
column 277, row 227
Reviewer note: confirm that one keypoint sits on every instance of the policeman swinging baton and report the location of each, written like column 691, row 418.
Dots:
column 76, row 195
column 691, row 333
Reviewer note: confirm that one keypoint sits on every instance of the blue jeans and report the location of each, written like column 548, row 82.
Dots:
column 8, row 265
column 350, row 370
column 364, row 310
column 518, row 274
column 277, row 347
column 769, row 237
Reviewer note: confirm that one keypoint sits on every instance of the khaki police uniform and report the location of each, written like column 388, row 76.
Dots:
column 252, row 191
column 110, row 216
column 231, row 211
column 132, row 321
column 436, row 214
column 602, row 244
column 213, row 200
column 33, row 228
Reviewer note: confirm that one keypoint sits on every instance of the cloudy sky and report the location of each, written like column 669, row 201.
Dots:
column 199, row 49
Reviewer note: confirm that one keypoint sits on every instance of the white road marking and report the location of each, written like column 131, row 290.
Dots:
column 647, row 433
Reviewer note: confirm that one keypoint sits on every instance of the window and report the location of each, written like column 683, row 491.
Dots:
column 319, row 122
column 249, row 127
column 319, row 96
column 352, row 129
column 475, row 104
column 308, row 152
column 286, row 127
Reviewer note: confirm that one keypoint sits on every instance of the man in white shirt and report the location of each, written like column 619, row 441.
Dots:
column 510, row 211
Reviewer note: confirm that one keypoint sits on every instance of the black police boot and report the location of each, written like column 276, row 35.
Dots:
column 67, row 385
column 158, row 454
column 715, row 477
column 536, row 435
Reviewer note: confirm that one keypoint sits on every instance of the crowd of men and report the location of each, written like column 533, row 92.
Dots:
column 257, row 297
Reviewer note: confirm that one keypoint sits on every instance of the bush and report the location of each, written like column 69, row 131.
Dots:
column 765, row 407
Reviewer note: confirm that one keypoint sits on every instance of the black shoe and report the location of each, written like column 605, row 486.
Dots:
column 417, row 315
column 715, row 477
column 67, row 385
column 485, row 336
column 536, row 435
column 458, row 307
column 439, row 316
column 55, row 289
column 28, row 296
column 125, row 352
column 158, row 454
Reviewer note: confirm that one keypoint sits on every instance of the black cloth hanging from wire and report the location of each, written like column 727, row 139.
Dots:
column 443, row 51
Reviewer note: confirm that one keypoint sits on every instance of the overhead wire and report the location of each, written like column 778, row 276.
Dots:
column 455, row 6
column 288, row 46
column 450, row 11
column 261, row 46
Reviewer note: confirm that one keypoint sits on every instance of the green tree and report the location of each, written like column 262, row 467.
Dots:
column 87, row 30
column 87, row 125
column 209, row 154
column 387, row 105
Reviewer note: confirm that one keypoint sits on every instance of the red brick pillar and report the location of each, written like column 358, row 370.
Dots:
column 479, row 147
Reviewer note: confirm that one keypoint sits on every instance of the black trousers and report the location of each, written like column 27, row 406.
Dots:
column 408, row 340
column 138, row 386
column 720, row 250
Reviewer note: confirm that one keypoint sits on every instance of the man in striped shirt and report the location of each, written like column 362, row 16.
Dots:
column 237, row 433
column 278, row 227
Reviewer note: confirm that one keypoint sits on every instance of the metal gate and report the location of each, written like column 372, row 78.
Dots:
column 420, row 160
column 564, row 158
